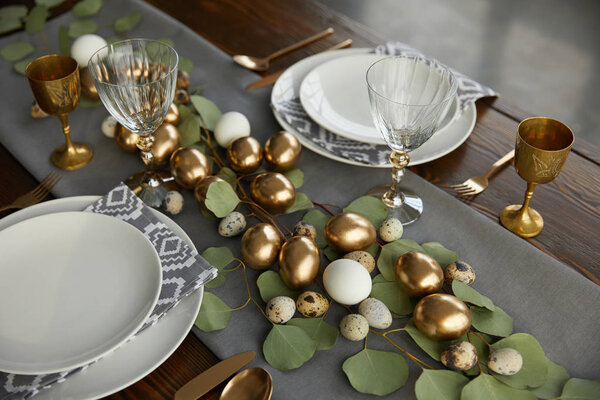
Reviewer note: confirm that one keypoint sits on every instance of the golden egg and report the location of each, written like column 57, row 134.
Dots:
column 183, row 80
column 349, row 232
column 260, row 246
column 273, row 191
column 88, row 88
column 442, row 317
column 126, row 139
column 418, row 274
column 166, row 140
column 245, row 154
column 202, row 188
column 189, row 166
column 299, row 261
column 282, row 151
column 173, row 115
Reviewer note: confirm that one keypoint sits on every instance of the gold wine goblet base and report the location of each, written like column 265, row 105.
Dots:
column 525, row 223
column 73, row 157
column 152, row 186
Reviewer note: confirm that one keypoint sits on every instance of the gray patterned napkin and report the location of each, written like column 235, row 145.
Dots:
column 183, row 269
column 367, row 153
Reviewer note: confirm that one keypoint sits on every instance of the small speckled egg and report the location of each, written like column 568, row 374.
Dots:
column 173, row 202
column 37, row 112
column 354, row 327
column 364, row 258
column 230, row 126
column 506, row 361
column 312, row 304
column 461, row 271
column 460, row 356
column 305, row 229
column 109, row 126
column 233, row 224
column 391, row 229
column 376, row 313
column 280, row 309
column 84, row 47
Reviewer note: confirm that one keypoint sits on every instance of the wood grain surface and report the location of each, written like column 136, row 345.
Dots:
column 570, row 204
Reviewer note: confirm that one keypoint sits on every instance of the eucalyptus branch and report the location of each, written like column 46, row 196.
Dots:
column 324, row 207
column 416, row 360
column 477, row 358
column 479, row 336
column 250, row 298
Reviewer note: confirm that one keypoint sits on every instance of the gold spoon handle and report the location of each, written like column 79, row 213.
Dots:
column 300, row 44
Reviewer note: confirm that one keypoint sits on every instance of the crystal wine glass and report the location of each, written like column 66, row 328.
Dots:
column 136, row 82
column 409, row 97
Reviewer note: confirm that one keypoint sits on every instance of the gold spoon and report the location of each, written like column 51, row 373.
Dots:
column 262, row 64
column 249, row 384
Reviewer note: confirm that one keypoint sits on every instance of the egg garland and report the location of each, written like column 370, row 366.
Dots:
column 363, row 257
column 354, row 327
column 442, row 316
column 260, row 246
column 245, row 155
column 506, row 361
column 348, row 232
column 419, row 274
column 233, row 224
column 459, row 271
column 230, row 126
column 173, row 202
column 461, row 356
column 312, row 304
column 280, row 309
column 189, row 166
column 347, row 281
column 84, row 47
column 376, row 313
column 299, row 261
column 282, row 151
column 273, row 191
column 305, row 229
column 166, row 140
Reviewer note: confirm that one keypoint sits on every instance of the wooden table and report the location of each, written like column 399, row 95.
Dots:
column 570, row 204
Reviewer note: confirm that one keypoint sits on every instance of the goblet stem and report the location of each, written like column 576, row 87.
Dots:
column 394, row 198
column 144, row 143
column 64, row 119
column 528, row 194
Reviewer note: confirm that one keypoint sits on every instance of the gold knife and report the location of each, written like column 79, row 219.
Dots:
column 213, row 376
column 272, row 78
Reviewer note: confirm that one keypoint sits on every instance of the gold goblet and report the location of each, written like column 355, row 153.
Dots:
column 542, row 147
column 54, row 80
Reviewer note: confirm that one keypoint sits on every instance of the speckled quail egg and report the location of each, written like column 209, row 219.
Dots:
column 183, row 80
column 181, row 96
column 460, row 356
column 461, row 271
column 305, row 229
column 280, row 309
column 233, row 224
column 354, row 327
column 109, row 126
column 391, row 229
column 37, row 112
column 506, row 361
column 312, row 304
column 364, row 258
column 376, row 313
column 173, row 202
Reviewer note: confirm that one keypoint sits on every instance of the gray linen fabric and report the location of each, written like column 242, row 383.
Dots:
column 546, row 298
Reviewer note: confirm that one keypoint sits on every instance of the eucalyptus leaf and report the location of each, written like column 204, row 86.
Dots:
column 442, row 255
column 376, row 372
column 373, row 249
column 393, row 297
column 497, row 322
column 439, row 385
column 128, row 22
column 302, row 202
column 296, row 176
column 113, row 39
column 221, row 199
column 185, row 64
column 318, row 330
column 207, row 109
column 49, row 3
column 13, row 12
column 64, row 43
column 483, row 352
column 488, row 388
column 535, row 365
column 228, row 175
column 22, row 65
column 369, row 207
column 581, row 389
column 317, row 219
column 85, row 102
column 184, row 111
column 331, row 254
column 83, row 27
column 87, row 8
column 270, row 285
column 36, row 19
column 9, row 24
column 288, row 347
column 469, row 295
column 379, row 279
column 199, row 146
column 189, row 130
column 214, row 313
column 219, row 257
column 208, row 215
column 552, row 388
column 16, row 51
column 390, row 253
column 167, row 41
column 429, row 346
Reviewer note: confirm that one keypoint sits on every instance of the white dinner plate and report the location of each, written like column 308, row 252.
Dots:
column 136, row 358
column 287, row 88
column 335, row 95
column 73, row 287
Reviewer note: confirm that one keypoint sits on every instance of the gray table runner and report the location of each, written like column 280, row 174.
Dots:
column 546, row 298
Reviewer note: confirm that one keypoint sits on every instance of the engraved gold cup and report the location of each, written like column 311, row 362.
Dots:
column 54, row 81
column 541, row 150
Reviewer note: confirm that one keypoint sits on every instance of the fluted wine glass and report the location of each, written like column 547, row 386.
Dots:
column 136, row 82
column 409, row 97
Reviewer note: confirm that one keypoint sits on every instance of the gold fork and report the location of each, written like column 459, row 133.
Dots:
column 36, row 195
column 478, row 184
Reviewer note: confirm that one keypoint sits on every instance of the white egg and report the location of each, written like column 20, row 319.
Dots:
column 84, row 47
column 347, row 281
column 230, row 126
column 109, row 126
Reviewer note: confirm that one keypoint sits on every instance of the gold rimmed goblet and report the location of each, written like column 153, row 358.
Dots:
column 541, row 150
column 54, row 81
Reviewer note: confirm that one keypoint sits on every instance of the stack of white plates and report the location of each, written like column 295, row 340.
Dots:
column 323, row 100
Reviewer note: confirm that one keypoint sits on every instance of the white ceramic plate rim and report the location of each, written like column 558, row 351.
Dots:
column 135, row 359
column 340, row 124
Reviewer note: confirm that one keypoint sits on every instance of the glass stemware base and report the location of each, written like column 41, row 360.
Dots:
column 151, row 186
column 407, row 210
